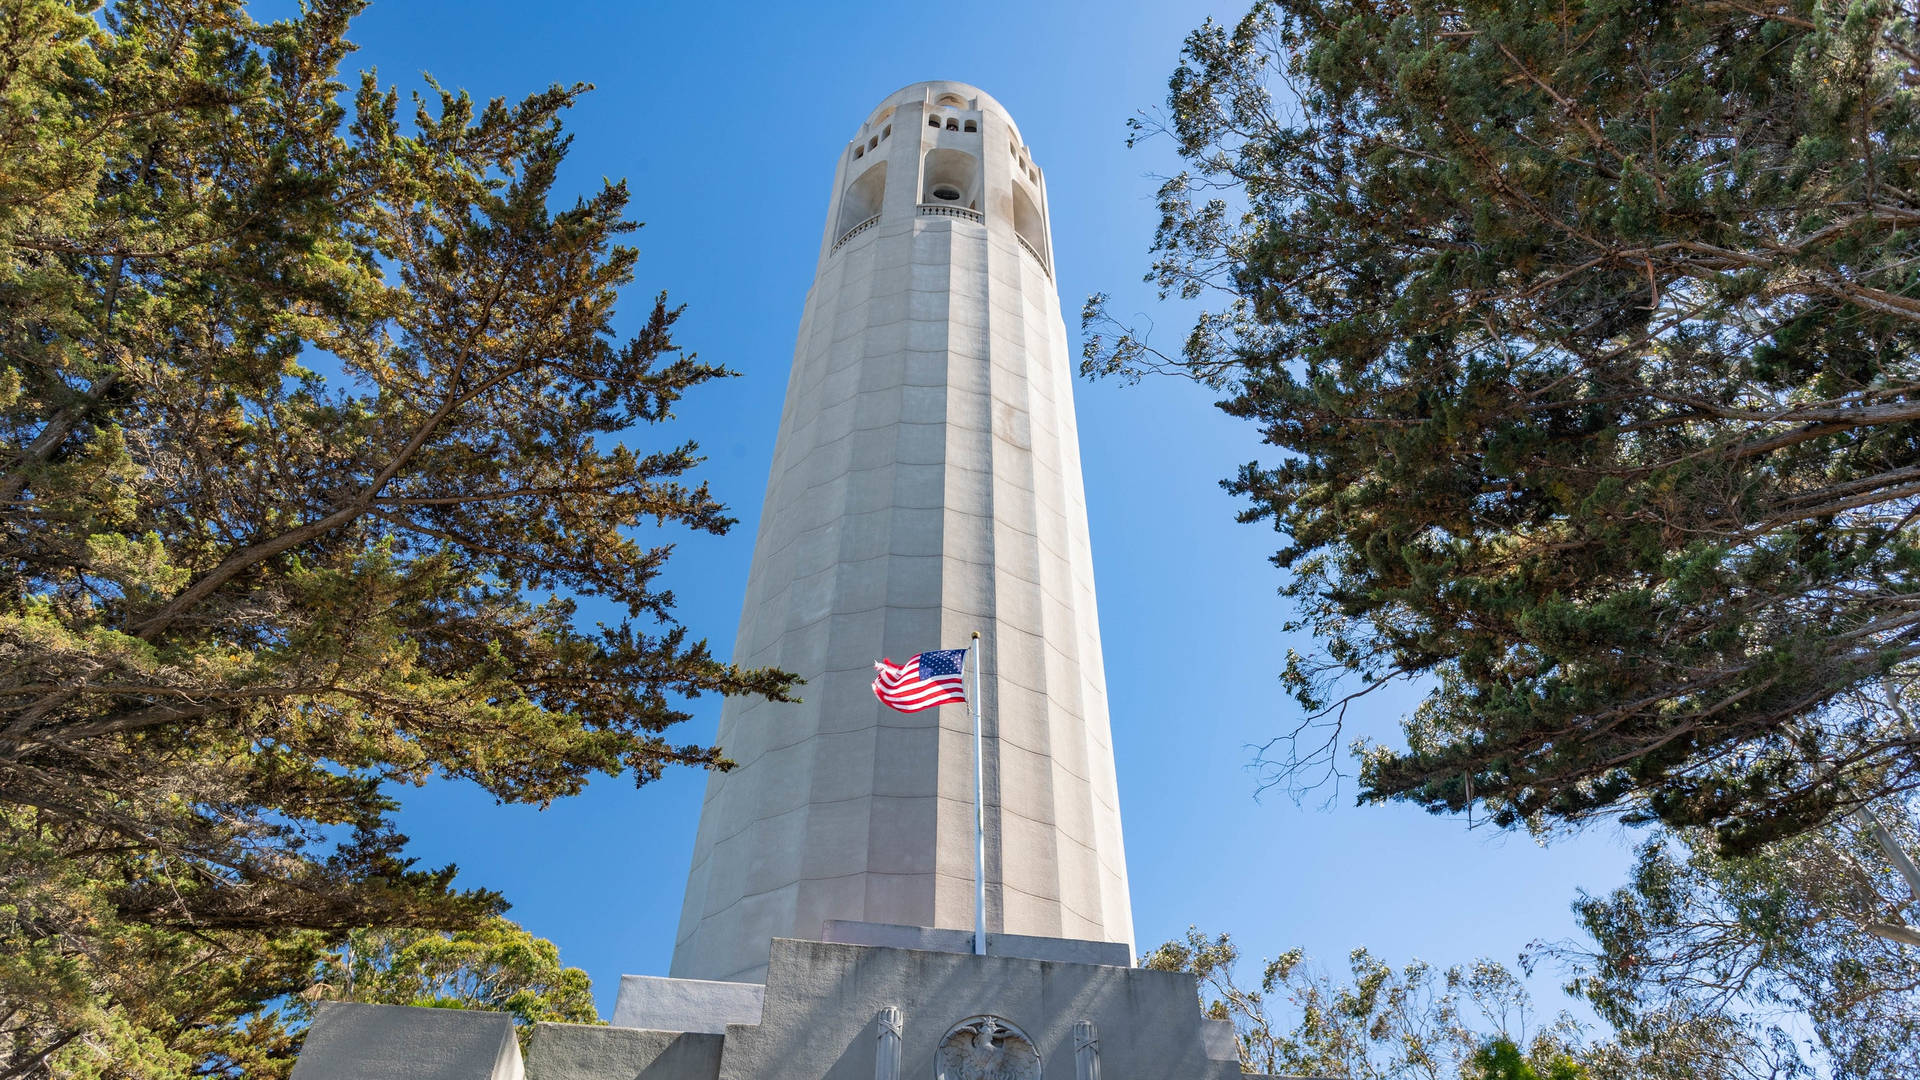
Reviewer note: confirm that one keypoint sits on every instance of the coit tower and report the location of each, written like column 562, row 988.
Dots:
column 925, row 484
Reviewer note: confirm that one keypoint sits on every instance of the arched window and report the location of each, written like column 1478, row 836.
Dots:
column 933, row 121
column 873, row 142
column 862, row 200
column 972, row 126
column 951, row 178
column 952, row 124
column 858, row 151
column 886, row 131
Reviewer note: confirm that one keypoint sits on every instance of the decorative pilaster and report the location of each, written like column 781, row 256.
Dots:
column 886, row 1049
column 1086, row 1050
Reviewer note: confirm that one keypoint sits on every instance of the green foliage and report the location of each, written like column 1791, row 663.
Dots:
column 1695, row 932
column 240, row 596
column 1500, row 1059
column 495, row 966
column 1384, row 1024
column 89, row 992
column 1471, row 1023
column 1586, row 331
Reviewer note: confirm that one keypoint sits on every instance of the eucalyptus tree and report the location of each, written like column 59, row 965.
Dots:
column 1474, row 1021
column 1816, row 927
column 495, row 966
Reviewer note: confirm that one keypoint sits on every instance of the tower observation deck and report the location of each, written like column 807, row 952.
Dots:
column 925, row 484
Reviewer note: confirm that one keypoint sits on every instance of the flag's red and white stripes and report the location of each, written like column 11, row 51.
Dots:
column 924, row 681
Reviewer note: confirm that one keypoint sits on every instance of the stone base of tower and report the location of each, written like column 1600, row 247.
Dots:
column 829, row 1010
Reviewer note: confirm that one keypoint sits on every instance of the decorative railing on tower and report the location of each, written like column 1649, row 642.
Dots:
column 953, row 211
column 855, row 231
column 1035, row 252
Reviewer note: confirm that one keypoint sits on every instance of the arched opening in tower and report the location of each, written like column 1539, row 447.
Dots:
column 1028, row 222
column 862, row 201
column 951, row 178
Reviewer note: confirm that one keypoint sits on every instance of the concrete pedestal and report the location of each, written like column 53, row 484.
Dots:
column 830, row 1011
column 392, row 1042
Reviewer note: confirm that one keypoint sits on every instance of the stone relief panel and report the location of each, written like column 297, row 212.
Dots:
column 986, row 1048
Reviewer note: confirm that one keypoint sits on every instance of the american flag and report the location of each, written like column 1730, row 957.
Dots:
column 925, row 680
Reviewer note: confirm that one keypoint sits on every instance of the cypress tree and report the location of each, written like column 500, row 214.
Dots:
column 313, row 425
column 1585, row 332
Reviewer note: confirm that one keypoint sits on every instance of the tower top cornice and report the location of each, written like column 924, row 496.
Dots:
column 941, row 93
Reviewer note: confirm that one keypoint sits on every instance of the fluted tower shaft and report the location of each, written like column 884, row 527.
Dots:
column 925, row 483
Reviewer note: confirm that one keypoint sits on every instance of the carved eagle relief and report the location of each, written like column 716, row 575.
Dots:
column 987, row 1048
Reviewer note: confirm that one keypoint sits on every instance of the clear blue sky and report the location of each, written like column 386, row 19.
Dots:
column 726, row 120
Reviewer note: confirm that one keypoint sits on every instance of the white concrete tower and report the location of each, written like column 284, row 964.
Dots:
column 925, row 483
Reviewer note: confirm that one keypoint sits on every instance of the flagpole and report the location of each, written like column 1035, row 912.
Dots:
column 979, row 816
